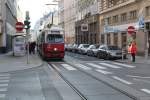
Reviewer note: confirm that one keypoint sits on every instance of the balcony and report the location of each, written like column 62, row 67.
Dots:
column 108, row 5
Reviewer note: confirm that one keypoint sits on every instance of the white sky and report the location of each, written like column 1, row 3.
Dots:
column 36, row 9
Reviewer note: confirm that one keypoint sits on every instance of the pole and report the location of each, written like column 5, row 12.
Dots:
column 27, row 36
column 146, row 45
column 27, row 40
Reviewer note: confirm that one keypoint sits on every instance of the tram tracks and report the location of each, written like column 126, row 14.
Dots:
column 83, row 97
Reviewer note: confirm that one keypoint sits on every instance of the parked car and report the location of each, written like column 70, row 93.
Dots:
column 75, row 48
column 92, row 50
column 69, row 47
column 82, row 49
column 109, row 52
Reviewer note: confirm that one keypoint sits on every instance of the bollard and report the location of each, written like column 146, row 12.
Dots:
column 123, row 53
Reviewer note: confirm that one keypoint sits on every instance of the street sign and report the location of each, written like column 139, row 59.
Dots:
column 131, row 29
column 84, row 27
column 19, row 26
column 141, row 22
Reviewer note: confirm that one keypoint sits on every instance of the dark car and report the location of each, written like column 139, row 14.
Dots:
column 109, row 52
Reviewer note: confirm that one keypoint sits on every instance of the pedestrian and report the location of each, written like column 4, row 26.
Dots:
column 133, row 50
column 30, row 47
column 33, row 44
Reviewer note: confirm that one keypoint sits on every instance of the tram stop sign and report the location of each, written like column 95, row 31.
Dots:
column 131, row 29
column 19, row 26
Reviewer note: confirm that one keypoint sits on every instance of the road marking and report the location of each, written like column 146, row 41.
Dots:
column 3, row 89
column 83, row 66
column 142, row 80
column 122, row 80
column 55, row 67
column 3, row 85
column 146, row 91
column 96, row 66
column 109, row 65
column 2, row 78
column 4, row 81
column 124, row 65
column 104, row 72
column 68, row 67
column 2, row 95
column 3, row 75
column 137, row 76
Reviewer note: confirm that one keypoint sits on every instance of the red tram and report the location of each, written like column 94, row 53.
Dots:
column 51, row 43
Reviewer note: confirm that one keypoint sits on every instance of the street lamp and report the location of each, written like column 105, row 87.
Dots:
column 51, row 4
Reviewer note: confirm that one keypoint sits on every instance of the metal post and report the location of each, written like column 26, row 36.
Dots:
column 27, row 41
column 122, row 53
column 146, row 45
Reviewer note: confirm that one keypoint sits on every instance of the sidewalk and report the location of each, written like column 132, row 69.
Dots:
column 138, row 60
column 13, row 63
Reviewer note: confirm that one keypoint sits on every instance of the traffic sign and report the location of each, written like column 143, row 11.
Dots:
column 19, row 26
column 141, row 22
column 131, row 29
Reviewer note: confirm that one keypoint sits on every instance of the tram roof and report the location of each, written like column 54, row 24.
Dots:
column 53, row 28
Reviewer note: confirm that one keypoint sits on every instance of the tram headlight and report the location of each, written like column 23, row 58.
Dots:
column 55, row 49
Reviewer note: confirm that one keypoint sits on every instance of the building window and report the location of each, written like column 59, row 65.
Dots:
column 115, row 19
column 115, row 39
column 133, row 14
column 108, row 39
column 109, row 20
column 148, row 11
column 102, row 38
column 123, row 17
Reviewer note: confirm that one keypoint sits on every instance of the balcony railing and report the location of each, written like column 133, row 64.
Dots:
column 107, row 5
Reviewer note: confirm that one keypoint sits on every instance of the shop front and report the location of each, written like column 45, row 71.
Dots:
column 118, row 35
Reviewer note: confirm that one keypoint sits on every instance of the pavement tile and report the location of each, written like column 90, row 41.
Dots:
column 8, row 62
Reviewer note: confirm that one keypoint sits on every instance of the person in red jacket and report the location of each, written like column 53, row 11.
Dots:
column 133, row 50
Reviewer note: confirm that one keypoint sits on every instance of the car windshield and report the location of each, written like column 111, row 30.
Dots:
column 97, row 46
column 86, row 46
column 113, row 48
column 55, row 38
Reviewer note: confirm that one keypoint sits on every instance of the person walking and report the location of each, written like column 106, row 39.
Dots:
column 33, row 44
column 133, row 50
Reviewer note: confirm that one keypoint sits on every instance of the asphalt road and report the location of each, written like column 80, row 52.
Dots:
column 95, row 79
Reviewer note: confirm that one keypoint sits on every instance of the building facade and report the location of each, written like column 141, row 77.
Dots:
column 115, row 18
column 8, row 20
column 61, row 13
column 87, row 21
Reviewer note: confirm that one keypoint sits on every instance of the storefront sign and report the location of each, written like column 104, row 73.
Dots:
column 84, row 27
column 119, row 28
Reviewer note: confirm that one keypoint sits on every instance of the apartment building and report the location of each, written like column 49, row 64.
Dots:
column 87, row 21
column 61, row 13
column 115, row 18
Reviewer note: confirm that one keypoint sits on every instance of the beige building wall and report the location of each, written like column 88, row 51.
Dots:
column 139, row 6
column 69, row 20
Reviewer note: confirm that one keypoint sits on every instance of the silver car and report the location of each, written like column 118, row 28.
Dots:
column 109, row 52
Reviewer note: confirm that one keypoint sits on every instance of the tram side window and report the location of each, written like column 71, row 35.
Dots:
column 53, row 38
column 42, row 38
